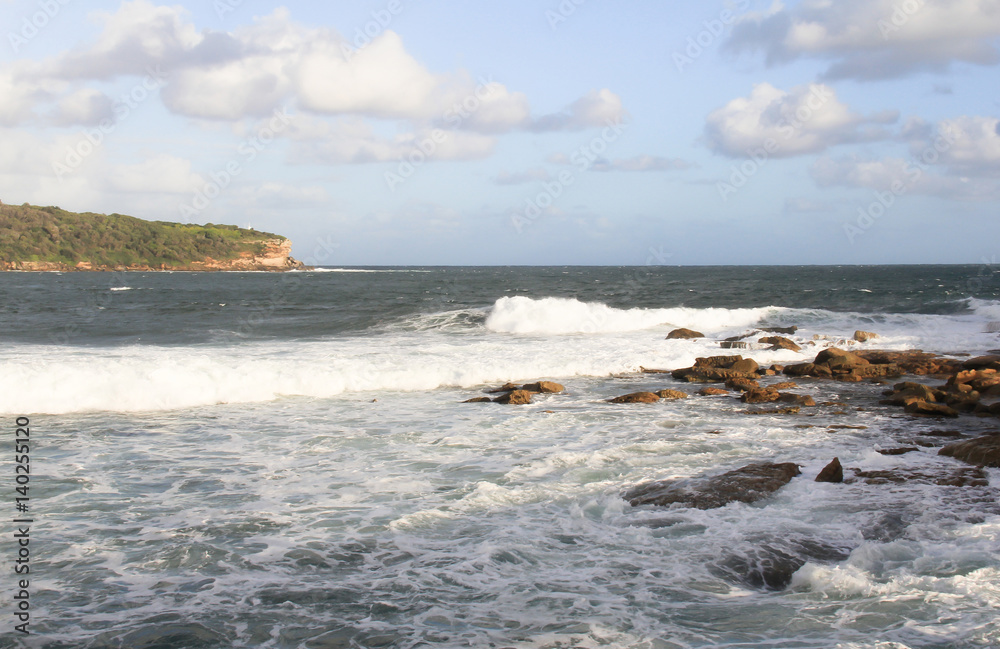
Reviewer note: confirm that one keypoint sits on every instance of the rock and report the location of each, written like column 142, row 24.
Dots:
column 718, row 361
column 778, row 342
column 808, row 369
column 991, row 361
column 913, row 361
column 908, row 395
column 864, row 336
column 780, row 330
column 515, row 398
column 832, row 472
column 729, row 344
column 944, row 478
column 733, row 339
column 742, row 385
column 747, row 484
column 981, row 451
column 479, row 400
column 708, row 392
column 684, row 334
column 797, row 399
column 898, row 451
column 778, row 369
column 636, row 397
column 543, row 387
column 930, row 409
column 745, row 366
column 771, row 565
column 717, row 369
column 791, row 410
column 833, row 357
column 507, row 387
column 785, row 385
column 672, row 394
column 765, row 395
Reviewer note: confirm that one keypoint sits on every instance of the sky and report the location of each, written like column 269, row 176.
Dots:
column 541, row 132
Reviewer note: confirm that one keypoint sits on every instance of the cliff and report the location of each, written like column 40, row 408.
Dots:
column 52, row 239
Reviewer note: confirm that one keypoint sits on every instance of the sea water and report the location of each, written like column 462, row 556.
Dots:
column 283, row 460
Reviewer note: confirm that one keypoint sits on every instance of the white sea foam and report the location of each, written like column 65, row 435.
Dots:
column 523, row 315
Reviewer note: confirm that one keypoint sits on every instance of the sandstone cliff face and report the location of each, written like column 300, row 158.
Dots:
column 276, row 257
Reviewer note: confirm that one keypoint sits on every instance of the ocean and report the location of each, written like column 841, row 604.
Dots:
column 284, row 460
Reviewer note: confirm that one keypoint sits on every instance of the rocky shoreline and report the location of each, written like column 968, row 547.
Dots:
column 275, row 258
column 959, row 389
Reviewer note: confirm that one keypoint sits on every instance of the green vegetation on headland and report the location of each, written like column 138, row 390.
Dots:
column 50, row 238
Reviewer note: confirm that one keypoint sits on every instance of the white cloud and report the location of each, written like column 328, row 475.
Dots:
column 806, row 119
column 874, row 39
column 353, row 140
column 641, row 163
column 162, row 174
column 898, row 177
column 86, row 107
column 537, row 174
column 596, row 108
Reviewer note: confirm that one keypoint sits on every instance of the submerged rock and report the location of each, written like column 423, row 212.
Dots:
column 981, row 451
column 771, row 565
column 479, row 400
column 747, row 484
column 636, row 397
column 972, row 477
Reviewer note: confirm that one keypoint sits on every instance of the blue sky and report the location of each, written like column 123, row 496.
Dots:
column 573, row 132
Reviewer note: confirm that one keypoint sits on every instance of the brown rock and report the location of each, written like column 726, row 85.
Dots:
column 981, row 362
column 742, row 385
column 778, row 342
column 718, row 361
column 898, row 451
column 864, row 336
column 708, row 392
column 765, row 395
column 479, row 400
column 543, row 387
column 981, row 451
column 832, row 472
column 515, row 398
column 797, row 399
column 780, row 330
column 636, row 397
column 684, row 334
column 785, row 385
column 507, row 387
column 833, row 357
column 747, row 484
column 672, row 394
column 733, row 344
column 946, row 478
column 790, row 410
column 930, row 409
column 778, row 369
column 808, row 369
column 745, row 366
